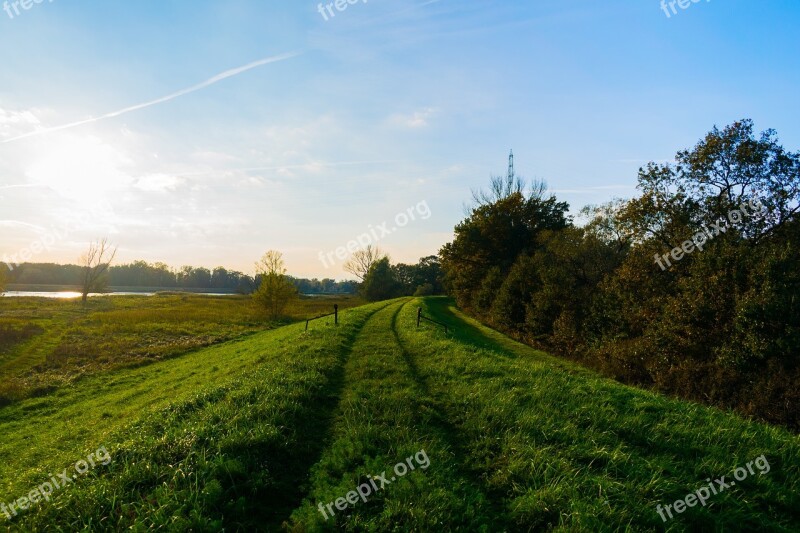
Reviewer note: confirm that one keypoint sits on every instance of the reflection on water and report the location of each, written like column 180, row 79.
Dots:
column 71, row 294
column 66, row 295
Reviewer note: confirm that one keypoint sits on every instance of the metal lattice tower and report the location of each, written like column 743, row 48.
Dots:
column 511, row 165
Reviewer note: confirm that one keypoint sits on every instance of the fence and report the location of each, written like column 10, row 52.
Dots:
column 335, row 316
column 420, row 317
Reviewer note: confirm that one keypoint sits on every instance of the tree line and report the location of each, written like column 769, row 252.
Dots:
column 381, row 280
column 141, row 274
column 691, row 288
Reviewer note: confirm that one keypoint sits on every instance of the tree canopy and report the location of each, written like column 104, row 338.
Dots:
column 691, row 287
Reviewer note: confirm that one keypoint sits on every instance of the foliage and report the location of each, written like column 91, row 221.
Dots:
column 275, row 289
column 324, row 286
column 495, row 235
column 380, row 283
column 155, row 276
column 3, row 277
column 516, row 440
column 425, row 289
column 722, row 325
column 426, row 275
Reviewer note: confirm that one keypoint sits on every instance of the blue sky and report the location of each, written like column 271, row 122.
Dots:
column 387, row 104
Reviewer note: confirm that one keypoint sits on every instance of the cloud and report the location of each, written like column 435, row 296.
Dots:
column 418, row 119
column 211, row 81
column 593, row 190
column 157, row 183
column 16, row 223
column 633, row 160
column 14, row 123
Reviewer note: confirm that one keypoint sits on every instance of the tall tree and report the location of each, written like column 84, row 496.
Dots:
column 3, row 277
column 380, row 283
column 276, row 289
column 95, row 263
column 503, row 225
column 362, row 260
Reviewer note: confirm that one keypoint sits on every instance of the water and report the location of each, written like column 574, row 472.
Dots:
column 66, row 295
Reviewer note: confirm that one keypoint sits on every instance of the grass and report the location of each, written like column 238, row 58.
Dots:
column 48, row 343
column 255, row 433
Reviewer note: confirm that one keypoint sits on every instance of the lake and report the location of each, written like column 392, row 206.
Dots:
column 72, row 294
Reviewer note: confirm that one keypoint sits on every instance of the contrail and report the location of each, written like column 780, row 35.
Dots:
column 40, row 229
column 20, row 186
column 182, row 92
column 281, row 167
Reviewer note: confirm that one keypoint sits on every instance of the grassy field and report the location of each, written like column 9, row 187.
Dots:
column 47, row 343
column 269, row 431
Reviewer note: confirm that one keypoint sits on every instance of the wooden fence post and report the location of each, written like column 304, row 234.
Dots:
column 336, row 314
column 419, row 315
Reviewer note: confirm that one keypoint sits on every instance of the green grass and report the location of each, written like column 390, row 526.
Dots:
column 255, row 433
column 47, row 343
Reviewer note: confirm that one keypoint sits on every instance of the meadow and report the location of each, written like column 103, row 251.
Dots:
column 48, row 343
column 261, row 432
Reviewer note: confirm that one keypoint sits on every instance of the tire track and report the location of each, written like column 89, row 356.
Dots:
column 441, row 420
column 314, row 432
column 380, row 421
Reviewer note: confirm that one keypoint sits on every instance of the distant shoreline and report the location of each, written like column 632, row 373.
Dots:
column 146, row 291
column 24, row 287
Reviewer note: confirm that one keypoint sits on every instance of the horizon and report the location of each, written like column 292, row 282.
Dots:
column 230, row 129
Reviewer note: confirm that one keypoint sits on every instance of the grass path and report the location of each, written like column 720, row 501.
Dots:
column 385, row 417
column 107, row 402
column 257, row 435
column 573, row 450
column 224, row 439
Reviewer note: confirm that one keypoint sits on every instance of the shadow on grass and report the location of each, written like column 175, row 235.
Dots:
column 311, row 431
column 441, row 420
column 463, row 331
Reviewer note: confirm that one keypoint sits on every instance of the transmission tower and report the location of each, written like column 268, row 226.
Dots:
column 511, row 166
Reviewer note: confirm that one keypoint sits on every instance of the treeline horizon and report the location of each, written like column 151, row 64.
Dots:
column 692, row 288
column 159, row 275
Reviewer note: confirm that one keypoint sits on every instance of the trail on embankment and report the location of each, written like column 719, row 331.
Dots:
column 291, row 423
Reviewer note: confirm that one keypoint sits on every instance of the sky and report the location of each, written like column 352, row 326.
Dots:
column 207, row 132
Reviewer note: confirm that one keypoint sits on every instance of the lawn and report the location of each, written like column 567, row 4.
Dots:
column 279, row 431
column 47, row 343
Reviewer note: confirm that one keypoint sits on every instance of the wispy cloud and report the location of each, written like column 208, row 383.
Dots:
column 630, row 160
column 592, row 190
column 310, row 166
column 418, row 119
column 15, row 223
column 21, row 186
column 211, row 81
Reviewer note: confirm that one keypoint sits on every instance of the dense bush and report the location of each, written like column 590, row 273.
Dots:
column 718, row 324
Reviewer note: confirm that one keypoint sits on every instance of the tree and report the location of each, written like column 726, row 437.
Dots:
column 362, row 260
column 405, row 276
column 380, row 283
column 219, row 278
column 503, row 225
column 429, row 272
column 3, row 277
column 95, row 264
column 275, row 290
